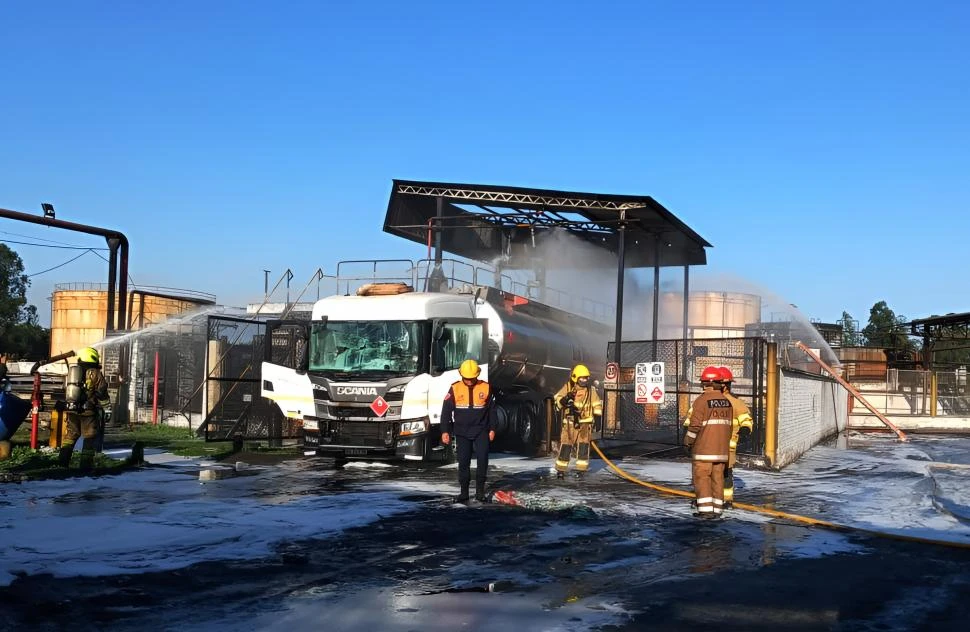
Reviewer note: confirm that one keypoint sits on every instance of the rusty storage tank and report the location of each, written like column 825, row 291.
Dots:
column 79, row 311
column 710, row 314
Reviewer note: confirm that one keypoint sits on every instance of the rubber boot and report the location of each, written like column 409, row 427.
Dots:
column 463, row 496
column 480, row 493
column 87, row 459
column 64, row 456
column 560, row 475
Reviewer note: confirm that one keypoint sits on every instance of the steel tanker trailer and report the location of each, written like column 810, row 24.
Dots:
column 375, row 367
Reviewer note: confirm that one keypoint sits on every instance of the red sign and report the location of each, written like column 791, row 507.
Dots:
column 379, row 406
column 656, row 393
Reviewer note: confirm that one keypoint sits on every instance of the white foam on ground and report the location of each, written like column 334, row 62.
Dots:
column 158, row 519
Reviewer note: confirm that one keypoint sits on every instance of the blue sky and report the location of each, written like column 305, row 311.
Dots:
column 821, row 147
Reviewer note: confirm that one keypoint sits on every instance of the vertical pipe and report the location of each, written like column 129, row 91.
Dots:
column 155, row 393
column 771, row 406
column 933, row 394
column 620, row 269
column 123, row 291
column 35, row 411
column 112, row 280
column 656, row 293
column 686, row 316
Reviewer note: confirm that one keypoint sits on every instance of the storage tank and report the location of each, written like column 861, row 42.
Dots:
column 710, row 314
column 79, row 311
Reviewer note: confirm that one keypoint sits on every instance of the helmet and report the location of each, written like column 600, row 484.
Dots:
column 711, row 374
column 89, row 355
column 469, row 370
column 580, row 370
column 726, row 375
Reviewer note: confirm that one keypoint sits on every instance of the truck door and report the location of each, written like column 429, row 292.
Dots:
column 283, row 371
column 454, row 340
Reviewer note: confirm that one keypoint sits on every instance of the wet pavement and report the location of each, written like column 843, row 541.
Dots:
column 375, row 547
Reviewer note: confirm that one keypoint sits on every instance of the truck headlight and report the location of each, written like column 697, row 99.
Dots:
column 414, row 427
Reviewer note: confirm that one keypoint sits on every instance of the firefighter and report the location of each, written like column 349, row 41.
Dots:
column 579, row 407
column 740, row 420
column 466, row 413
column 708, row 439
column 88, row 407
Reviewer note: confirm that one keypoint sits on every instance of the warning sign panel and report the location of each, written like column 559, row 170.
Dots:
column 612, row 373
column 649, row 382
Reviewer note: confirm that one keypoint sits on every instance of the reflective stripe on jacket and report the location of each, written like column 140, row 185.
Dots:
column 587, row 400
column 467, row 410
column 709, row 431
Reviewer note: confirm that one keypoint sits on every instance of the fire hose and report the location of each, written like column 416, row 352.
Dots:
column 805, row 520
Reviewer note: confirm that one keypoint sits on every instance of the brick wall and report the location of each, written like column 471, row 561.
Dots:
column 810, row 409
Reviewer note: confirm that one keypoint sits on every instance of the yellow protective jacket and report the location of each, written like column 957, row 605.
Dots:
column 95, row 391
column 586, row 399
column 742, row 419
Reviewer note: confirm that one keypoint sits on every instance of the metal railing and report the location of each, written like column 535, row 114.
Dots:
column 174, row 292
column 914, row 393
column 352, row 274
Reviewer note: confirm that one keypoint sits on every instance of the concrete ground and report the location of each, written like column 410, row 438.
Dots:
column 187, row 545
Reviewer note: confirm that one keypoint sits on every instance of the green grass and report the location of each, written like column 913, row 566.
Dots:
column 180, row 441
column 43, row 464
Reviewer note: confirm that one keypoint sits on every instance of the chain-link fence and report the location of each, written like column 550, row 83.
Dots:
column 234, row 407
column 684, row 360
column 174, row 354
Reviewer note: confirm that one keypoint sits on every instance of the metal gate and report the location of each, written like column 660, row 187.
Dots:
column 684, row 361
column 234, row 408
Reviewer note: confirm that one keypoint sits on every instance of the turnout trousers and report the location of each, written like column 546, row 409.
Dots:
column 709, row 486
column 464, row 447
column 574, row 439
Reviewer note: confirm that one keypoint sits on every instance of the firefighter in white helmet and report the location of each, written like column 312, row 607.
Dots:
column 579, row 407
column 741, row 420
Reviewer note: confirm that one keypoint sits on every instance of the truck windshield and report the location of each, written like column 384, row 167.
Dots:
column 371, row 347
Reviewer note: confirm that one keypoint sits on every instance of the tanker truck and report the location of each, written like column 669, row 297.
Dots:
column 377, row 365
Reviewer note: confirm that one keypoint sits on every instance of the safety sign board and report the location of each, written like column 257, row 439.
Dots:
column 612, row 373
column 379, row 406
column 649, row 383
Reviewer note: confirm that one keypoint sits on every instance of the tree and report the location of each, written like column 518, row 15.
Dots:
column 20, row 335
column 886, row 330
column 850, row 330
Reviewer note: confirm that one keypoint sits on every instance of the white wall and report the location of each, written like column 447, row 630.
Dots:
column 810, row 409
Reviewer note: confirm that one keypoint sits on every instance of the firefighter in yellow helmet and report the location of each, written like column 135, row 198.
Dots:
column 579, row 407
column 87, row 407
column 741, row 420
column 466, row 413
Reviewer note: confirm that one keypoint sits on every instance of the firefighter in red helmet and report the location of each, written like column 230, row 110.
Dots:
column 740, row 420
column 708, row 439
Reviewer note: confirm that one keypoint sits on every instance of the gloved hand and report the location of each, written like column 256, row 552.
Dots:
column 566, row 402
column 106, row 415
column 575, row 424
column 686, row 449
column 598, row 423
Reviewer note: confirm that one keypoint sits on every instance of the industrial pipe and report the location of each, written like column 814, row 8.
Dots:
column 155, row 394
column 852, row 389
column 35, row 397
column 121, row 242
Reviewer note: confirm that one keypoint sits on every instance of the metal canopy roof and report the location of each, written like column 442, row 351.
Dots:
column 483, row 222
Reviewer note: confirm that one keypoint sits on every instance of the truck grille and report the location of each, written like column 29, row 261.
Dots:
column 373, row 434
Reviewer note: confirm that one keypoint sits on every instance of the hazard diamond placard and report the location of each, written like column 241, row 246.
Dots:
column 379, row 406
